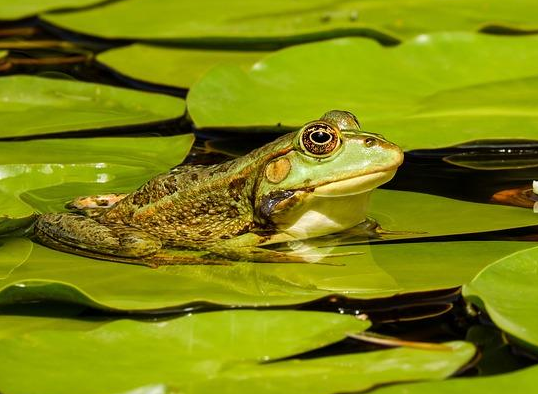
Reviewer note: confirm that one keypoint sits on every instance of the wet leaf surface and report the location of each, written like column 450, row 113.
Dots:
column 224, row 351
column 11, row 10
column 430, row 92
column 523, row 381
column 279, row 21
column 507, row 290
column 43, row 175
column 37, row 106
column 381, row 271
column 178, row 67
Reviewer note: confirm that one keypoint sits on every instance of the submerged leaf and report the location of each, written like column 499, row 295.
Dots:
column 36, row 106
column 434, row 91
column 217, row 351
column 507, row 290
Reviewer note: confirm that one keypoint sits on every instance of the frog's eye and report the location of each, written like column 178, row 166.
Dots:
column 319, row 139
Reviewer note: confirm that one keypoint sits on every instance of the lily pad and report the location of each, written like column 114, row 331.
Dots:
column 225, row 350
column 424, row 215
column 507, row 290
column 381, row 271
column 37, row 106
column 434, row 91
column 43, row 175
column 179, row 67
column 523, row 381
column 10, row 10
column 280, row 21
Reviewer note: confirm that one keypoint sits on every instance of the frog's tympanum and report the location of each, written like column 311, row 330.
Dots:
column 305, row 184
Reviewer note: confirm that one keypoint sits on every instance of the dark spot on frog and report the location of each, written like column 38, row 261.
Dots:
column 232, row 212
column 194, row 177
column 236, row 188
column 269, row 202
column 205, row 233
column 170, row 184
column 141, row 198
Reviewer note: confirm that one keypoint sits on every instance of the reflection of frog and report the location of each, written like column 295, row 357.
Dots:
column 304, row 184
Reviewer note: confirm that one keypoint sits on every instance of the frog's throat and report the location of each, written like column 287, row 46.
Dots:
column 355, row 185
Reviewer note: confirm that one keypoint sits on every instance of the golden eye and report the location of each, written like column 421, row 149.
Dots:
column 319, row 139
column 370, row 141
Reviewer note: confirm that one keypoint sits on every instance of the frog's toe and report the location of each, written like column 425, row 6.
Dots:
column 134, row 243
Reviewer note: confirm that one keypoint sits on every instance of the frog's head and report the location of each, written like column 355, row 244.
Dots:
column 330, row 157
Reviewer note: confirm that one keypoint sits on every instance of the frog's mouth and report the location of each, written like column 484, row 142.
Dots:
column 354, row 185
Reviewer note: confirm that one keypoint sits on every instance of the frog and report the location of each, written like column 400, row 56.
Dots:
column 308, row 183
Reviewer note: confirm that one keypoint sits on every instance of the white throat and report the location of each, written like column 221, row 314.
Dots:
column 322, row 215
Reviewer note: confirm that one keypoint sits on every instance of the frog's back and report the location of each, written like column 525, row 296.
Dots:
column 188, row 205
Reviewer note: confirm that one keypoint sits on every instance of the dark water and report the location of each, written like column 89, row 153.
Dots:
column 473, row 172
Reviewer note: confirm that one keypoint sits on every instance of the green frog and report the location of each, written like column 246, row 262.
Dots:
column 304, row 184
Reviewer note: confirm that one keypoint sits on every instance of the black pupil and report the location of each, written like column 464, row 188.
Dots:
column 320, row 137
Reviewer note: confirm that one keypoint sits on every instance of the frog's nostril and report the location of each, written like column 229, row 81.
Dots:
column 369, row 142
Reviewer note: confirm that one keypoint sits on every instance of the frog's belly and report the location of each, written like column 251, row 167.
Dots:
column 321, row 215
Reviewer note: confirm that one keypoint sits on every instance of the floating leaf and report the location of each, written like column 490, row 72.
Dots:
column 10, row 10
column 14, row 253
column 381, row 271
column 523, row 381
column 507, row 290
column 497, row 159
column 179, row 67
column 278, row 22
column 36, row 106
column 431, row 92
column 217, row 351
column 43, row 175
column 419, row 214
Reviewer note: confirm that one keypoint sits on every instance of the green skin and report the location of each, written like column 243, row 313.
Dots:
column 280, row 192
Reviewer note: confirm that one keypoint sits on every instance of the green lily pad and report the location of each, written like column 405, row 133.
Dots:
column 507, row 290
column 431, row 92
column 381, row 271
column 523, row 381
column 227, row 351
column 179, row 67
column 43, row 175
column 281, row 21
column 37, row 106
column 11, row 10
column 424, row 215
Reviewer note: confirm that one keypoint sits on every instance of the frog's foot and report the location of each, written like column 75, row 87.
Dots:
column 77, row 233
column 245, row 248
column 390, row 234
column 102, row 201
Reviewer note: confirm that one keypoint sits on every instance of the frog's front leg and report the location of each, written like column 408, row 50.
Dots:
column 247, row 247
column 72, row 232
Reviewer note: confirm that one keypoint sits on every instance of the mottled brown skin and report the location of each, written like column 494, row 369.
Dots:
column 196, row 205
column 225, row 209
